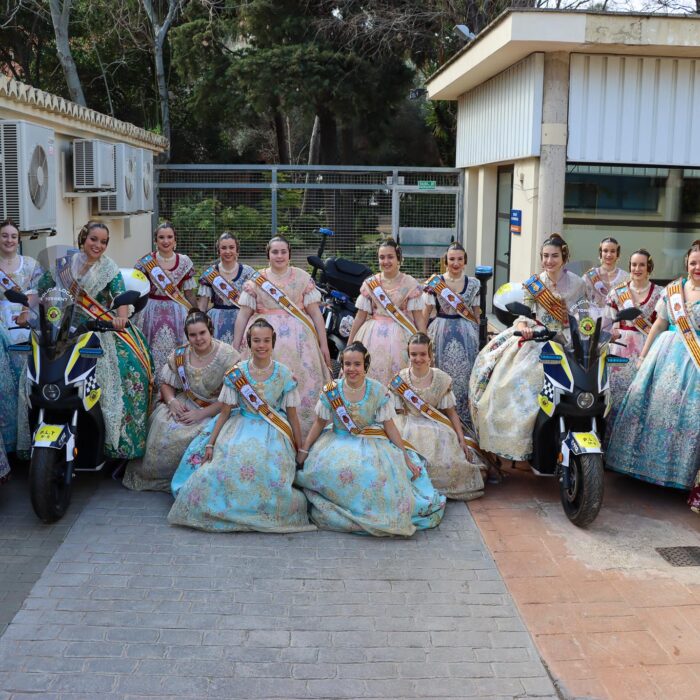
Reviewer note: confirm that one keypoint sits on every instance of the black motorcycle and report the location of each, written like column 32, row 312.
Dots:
column 68, row 430
column 574, row 403
column 339, row 282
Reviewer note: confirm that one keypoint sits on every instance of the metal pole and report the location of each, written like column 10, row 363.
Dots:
column 273, row 194
column 395, row 204
column 483, row 274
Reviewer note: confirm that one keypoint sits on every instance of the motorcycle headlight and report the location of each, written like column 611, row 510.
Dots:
column 585, row 400
column 51, row 392
column 345, row 326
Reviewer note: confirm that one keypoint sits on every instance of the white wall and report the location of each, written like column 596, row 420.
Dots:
column 631, row 109
column 501, row 119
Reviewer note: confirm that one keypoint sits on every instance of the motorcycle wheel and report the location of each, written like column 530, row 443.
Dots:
column 583, row 499
column 335, row 369
column 47, row 484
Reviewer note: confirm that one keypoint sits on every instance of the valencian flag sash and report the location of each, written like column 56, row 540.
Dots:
column 274, row 418
column 220, row 285
column 624, row 298
column 284, row 301
column 437, row 282
column 544, row 297
column 401, row 387
column 180, row 366
column 8, row 283
column 341, row 410
column 95, row 310
column 681, row 320
column 383, row 298
column 594, row 276
column 161, row 280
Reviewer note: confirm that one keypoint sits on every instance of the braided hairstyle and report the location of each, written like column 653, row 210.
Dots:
column 357, row 346
column 609, row 239
column 197, row 316
column 391, row 243
column 259, row 323
column 90, row 226
column 647, row 255
column 557, row 241
column 694, row 248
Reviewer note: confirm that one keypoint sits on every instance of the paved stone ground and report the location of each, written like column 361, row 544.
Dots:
column 131, row 607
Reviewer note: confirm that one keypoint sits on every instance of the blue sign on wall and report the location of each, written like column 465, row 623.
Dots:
column 516, row 220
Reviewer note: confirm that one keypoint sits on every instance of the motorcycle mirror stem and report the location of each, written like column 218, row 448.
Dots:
column 12, row 295
column 518, row 309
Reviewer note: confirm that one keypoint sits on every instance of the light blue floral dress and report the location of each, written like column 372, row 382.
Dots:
column 362, row 484
column 656, row 435
column 248, row 485
column 224, row 313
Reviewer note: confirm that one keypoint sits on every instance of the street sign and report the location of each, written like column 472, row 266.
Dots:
column 516, row 220
column 427, row 184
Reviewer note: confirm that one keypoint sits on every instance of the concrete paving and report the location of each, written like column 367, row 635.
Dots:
column 131, row 607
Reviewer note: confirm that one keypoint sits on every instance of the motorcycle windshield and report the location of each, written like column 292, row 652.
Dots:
column 588, row 329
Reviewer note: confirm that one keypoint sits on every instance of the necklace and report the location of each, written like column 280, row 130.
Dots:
column 207, row 354
column 453, row 279
column 693, row 287
column 261, row 370
column 642, row 290
column 354, row 390
column 9, row 262
column 225, row 270
column 270, row 271
column 390, row 282
column 162, row 258
column 412, row 377
column 554, row 282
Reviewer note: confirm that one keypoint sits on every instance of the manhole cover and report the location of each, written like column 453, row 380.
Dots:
column 680, row 556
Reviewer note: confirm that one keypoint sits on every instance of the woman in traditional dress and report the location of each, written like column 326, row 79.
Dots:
column 21, row 273
column 455, row 331
column 630, row 336
column 287, row 297
column 389, row 311
column 656, row 436
column 173, row 286
column 190, row 385
column 507, row 374
column 359, row 476
column 125, row 371
column 238, row 474
column 221, row 285
column 601, row 280
column 428, row 420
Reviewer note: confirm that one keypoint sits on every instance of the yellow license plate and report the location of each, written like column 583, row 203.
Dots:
column 588, row 441
column 48, row 433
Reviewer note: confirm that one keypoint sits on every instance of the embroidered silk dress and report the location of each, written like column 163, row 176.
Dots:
column 384, row 338
column 223, row 313
column 27, row 277
column 120, row 374
column 456, row 342
column 297, row 345
column 248, row 485
column 168, row 438
column 447, row 465
column 163, row 320
column 362, row 484
column 598, row 297
column 656, row 436
column 507, row 378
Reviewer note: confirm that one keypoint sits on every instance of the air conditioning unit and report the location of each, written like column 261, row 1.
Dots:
column 93, row 165
column 28, row 175
column 125, row 199
column 146, row 179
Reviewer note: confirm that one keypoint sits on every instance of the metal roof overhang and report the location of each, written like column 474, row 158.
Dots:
column 516, row 34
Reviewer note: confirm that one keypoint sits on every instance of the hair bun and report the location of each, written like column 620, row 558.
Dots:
column 555, row 235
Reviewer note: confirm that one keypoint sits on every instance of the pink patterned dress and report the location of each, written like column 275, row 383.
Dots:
column 385, row 338
column 296, row 345
column 163, row 320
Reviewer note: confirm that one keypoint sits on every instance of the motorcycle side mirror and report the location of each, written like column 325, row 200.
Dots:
column 12, row 295
column 628, row 314
column 326, row 232
column 126, row 299
column 518, row 309
column 315, row 262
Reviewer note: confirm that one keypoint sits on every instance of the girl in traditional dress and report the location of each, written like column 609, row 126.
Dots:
column 221, row 285
column 190, row 385
column 656, row 436
column 287, row 297
column 238, row 474
column 601, row 280
column 643, row 294
column 455, row 331
column 428, row 420
column 21, row 273
column 359, row 476
column 389, row 312
column 507, row 374
column 173, row 286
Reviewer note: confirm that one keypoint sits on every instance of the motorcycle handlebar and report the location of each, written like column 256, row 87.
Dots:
column 101, row 326
column 538, row 335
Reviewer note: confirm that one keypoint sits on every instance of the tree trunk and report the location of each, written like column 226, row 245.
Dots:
column 314, row 145
column 328, row 148
column 281, row 135
column 162, row 93
column 60, row 16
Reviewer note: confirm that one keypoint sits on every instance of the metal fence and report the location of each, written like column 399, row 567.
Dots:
column 421, row 207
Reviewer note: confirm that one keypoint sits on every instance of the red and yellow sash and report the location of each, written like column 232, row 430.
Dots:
column 220, row 285
column 437, row 283
column 383, row 298
column 274, row 418
column 676, row 301
column 410, row 397
column 594, row 276
column 544, row 297
column 284, row 301
column 182, row 373
column 161, row 281
column 626, row 301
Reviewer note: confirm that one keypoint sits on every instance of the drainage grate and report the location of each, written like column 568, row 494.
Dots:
column 680, row 556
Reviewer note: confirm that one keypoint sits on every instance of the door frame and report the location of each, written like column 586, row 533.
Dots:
column 501, row 216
